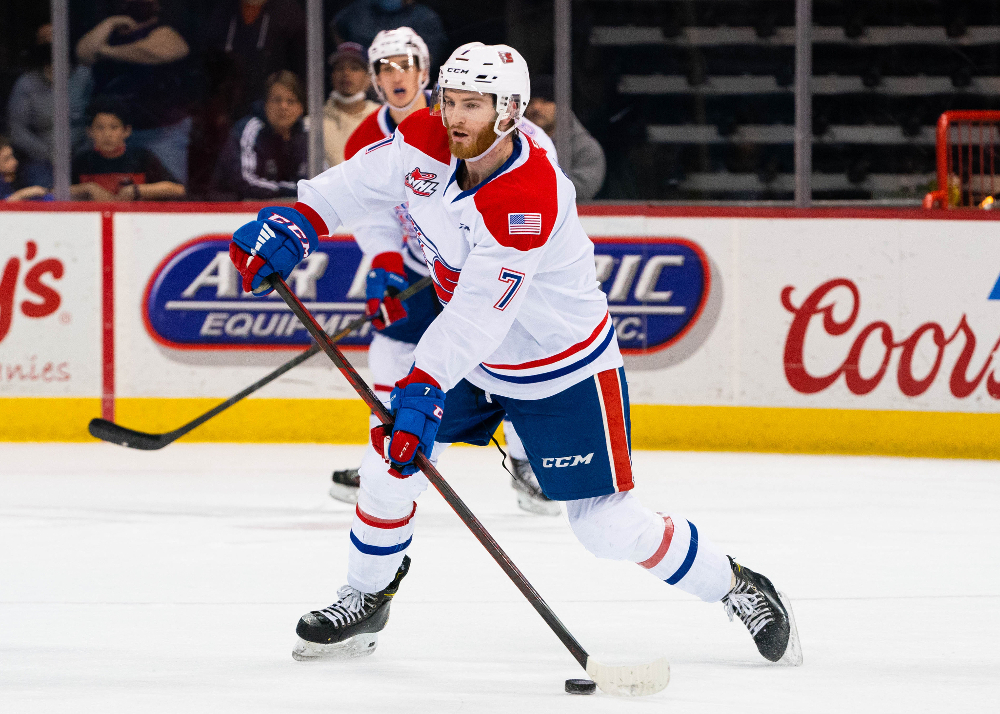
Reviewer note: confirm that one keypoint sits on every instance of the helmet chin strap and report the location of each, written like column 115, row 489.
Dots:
column 342, row 99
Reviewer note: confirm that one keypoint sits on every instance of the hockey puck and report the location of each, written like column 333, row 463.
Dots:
column 580, row 686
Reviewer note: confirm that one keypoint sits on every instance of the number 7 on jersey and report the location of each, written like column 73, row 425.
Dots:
column 513, row 280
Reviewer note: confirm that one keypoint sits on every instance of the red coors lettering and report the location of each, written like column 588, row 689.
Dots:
column 801, row 380
column 50, row 299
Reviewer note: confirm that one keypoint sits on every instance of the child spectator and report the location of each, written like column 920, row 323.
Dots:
column 139, row 58
column 265, row 158
column 11, row 188
column 348, row 104
column 113, row 171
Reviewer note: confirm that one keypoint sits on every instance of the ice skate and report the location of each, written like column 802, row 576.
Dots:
column 345, row 485
column 349, row 627
column 529, row 494
column 767, row 613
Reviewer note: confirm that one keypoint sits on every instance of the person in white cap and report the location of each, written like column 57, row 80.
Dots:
column 348, row 104
column 525, row 331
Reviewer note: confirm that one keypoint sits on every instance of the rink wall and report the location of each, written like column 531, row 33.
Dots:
column 817, row 331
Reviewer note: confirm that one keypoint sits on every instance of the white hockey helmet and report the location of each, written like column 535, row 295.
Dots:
column 401, row 41
column 499, row 70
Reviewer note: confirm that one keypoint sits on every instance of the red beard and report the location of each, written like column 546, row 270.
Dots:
column 480, row 146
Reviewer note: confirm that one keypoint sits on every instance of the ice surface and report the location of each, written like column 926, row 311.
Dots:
column 171, row 582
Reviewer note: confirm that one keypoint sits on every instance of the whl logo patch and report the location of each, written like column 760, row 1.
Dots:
column 421, row 183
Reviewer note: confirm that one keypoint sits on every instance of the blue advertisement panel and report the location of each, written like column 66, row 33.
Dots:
column 657, row 289
column 194, row 299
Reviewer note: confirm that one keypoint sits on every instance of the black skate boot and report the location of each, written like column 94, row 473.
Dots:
column 767, row 613
column 345, row 485
column 349, row 627
column 529, row 494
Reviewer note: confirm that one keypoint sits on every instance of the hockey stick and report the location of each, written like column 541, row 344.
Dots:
column 109, row 431
column 634, row 680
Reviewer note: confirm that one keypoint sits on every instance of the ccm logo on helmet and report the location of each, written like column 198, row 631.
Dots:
column 457, row 70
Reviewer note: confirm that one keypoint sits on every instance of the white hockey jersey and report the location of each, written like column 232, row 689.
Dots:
column 523, row 313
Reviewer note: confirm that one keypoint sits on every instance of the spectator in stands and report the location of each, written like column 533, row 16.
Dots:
column 12, row 186
column 257, row 38
column 30, row 110
column 348, row 104
column 585, row 165
column 139, row 59
column 264, row 158
column 363, row 19
column 111, row 170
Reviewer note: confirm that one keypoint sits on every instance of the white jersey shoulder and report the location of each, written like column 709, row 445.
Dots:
column 539, row 136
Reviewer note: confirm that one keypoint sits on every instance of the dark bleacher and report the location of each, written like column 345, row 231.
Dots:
column 704, row 94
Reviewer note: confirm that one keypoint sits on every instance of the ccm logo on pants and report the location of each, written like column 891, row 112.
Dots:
column 563, row 461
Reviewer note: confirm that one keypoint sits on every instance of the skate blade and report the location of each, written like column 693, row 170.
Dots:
column 358, row 646
column 793, row 652
column 537, row 506
column 346, row 494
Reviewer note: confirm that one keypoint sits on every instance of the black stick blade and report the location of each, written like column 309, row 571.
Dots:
column 113, row 433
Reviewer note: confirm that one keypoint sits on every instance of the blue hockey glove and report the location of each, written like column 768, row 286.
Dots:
column 386, row 279
column 276, row 242
column 417, row 403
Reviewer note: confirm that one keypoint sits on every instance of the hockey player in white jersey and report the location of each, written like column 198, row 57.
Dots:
column 524, row 332
column 398, row 61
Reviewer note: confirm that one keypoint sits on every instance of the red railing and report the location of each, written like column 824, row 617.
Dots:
column 967, row 160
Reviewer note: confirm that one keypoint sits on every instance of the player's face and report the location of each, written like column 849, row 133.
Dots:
column 283, row 108
column 469, row 117
column 108, row 134
column 8, row 164
column 399, row 77
column 349, row 78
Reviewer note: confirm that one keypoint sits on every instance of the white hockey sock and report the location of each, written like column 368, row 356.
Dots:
column 619, row 527
column 380, row 536
column 514, row 446
column 687, row 559
column 383, row 524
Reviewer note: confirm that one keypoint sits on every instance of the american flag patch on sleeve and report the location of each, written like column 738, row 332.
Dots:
column 524, row 223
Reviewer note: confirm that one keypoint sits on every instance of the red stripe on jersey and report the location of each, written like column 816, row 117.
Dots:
column 318, row 224
column 370, row 520
column 562, row 355
column 382, row 387
column 447, row 280
column 530, row 188
column 368, row 132
column 611, row 391
column 668, row 535
column 427, row 134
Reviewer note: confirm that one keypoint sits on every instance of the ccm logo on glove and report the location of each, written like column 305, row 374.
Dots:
column 276, row 242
